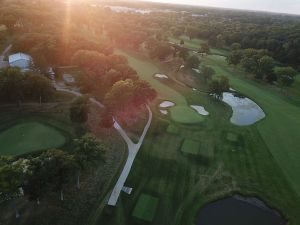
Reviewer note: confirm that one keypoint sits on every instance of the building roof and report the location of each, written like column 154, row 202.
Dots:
column 19, row 56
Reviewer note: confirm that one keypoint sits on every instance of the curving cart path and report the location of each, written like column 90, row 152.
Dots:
column 133, row 148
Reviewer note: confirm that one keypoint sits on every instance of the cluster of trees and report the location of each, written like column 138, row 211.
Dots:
column 16, row 86
column 53, row 170
column 260, row 63
column 111, row 79
column 218, row 86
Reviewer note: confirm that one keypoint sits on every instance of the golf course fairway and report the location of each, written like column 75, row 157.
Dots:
column 181, row 112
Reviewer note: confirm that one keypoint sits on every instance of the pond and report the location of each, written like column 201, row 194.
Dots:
column 245, row 111
column 238, row 210
column 200, row 109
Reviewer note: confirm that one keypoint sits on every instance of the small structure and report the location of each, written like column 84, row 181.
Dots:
column 20, row 60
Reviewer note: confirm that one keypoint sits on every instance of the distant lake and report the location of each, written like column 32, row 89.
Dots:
column 238, row 211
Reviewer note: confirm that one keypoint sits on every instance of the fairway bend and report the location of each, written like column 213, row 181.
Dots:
column 132, row 152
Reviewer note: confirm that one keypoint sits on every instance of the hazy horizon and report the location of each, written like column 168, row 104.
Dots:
column 279, row 6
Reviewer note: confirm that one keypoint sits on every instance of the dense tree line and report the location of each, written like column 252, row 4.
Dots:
column 51, row 171
column 16, row 86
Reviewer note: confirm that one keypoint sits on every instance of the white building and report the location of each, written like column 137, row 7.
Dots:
column 20, row 60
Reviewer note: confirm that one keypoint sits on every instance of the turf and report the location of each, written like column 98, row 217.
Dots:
column 145, row 208
column 185, row 115
column 172, row 129
column 28, row 137
column 190, row 147
column 232, row 137
column 281, row 127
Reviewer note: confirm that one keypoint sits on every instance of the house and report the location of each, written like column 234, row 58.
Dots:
column 20, row 60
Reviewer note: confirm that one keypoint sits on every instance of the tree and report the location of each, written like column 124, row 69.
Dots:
column 265, row 68
column 235, row 46
column 87, row 151
column 249, row 64
column 10, row 182
column 207, row 72
column 181, row 42
column 79, row 110
column 90, row 60
column 218, row 86
column 192, row 62
column 234, row 57
column 183, row 53
column 204, row 48
column 285, row 76
column 61, row 165
column 38, row 179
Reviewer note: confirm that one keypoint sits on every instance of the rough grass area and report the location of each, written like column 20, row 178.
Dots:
column 28, row 137
column 190, row 147
column 145, row 208
column 172, row 129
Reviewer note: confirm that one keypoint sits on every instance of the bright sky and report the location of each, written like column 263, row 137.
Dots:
column 285, row 6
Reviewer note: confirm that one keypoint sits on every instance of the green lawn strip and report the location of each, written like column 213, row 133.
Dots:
column 146, row 70
column 27, row 137
column 281, row 127
column 190, row 147
column 145, row 208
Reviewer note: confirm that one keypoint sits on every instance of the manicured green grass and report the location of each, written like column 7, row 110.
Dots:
column 145, row 208
column 181, row 112
column 190, row 147
column 185, row 115
column 28, row 137
column 172, row 129
column 280, row 129
column 232, row 137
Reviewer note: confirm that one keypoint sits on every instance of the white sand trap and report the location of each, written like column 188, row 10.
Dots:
column 182, row 66
column 196, row 70
column 162, row 76
column 194, row 89
column 200, row 109
column 164, row 112
column 166, row 104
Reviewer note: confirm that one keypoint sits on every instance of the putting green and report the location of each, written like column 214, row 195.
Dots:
column 181, row 112
column 185, row 115
column 190, row 147
column 145, row 208
column 29, row 136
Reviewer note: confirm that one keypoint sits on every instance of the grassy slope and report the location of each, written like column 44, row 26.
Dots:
column 281, row 128
column 146, row 70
